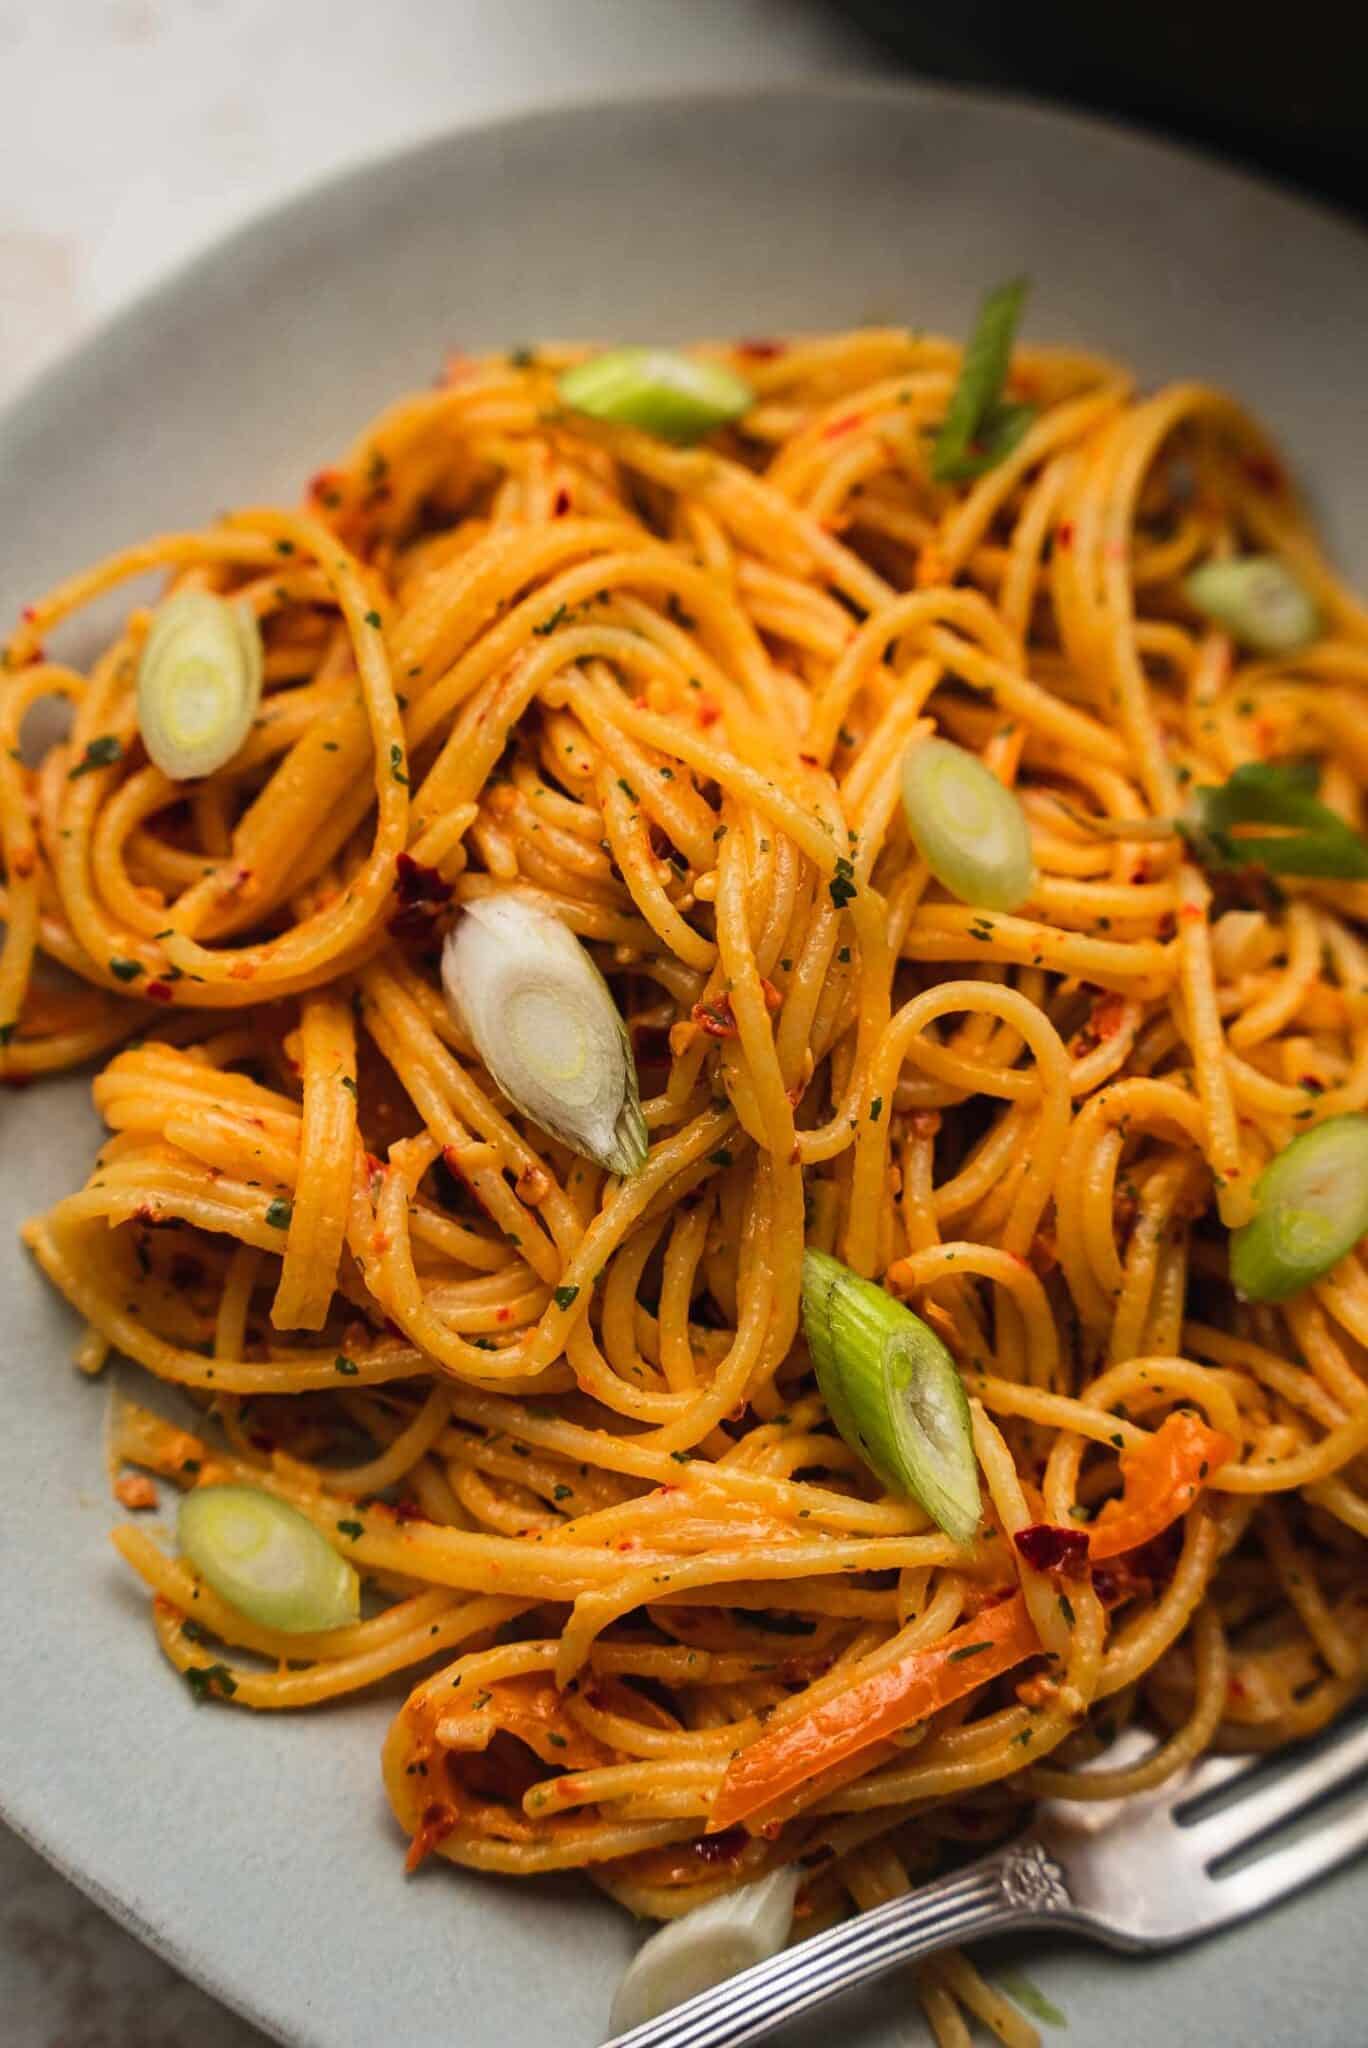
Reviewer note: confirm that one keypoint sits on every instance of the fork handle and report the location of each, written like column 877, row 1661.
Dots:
column 1003, row 1891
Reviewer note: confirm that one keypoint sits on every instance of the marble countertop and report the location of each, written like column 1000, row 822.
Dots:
column 136, row 131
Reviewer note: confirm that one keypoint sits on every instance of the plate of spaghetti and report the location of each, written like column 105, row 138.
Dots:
column 690, row 1041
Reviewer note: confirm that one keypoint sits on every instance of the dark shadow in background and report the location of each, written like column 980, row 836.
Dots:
column 1284, row 87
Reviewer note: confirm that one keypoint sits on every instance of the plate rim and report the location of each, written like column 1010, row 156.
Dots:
column 41, row 390
column 39, row 386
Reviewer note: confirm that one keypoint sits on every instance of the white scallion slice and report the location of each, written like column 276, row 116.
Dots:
column 969, row 829
column 705, row 1947
column 1313, row 1209
column 199, row 683
column 544, row 1022
column 678, row 398
column 893, row 1392
column 1258, row 600
column 267, row 1560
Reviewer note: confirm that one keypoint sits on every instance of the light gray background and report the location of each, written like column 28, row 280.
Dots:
column 133, row 132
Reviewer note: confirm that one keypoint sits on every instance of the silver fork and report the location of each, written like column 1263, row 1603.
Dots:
column 1140, row 1873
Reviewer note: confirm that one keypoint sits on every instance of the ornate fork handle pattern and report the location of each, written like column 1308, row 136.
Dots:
column 1008, row 1889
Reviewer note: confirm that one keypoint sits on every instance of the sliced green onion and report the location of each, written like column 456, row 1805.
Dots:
column 1310, row 838
column 1032, row 1999
column 199, row 683
column 970, row 830
column 979, row 430
column 676, row 397
column 893, row 1392
column 705, row 1947
column 1313, row 1209
column 267, row 1560
column 1259, row 600
column 545, row 1024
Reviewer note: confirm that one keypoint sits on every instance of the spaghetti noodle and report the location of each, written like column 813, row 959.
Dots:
column 564, row 1423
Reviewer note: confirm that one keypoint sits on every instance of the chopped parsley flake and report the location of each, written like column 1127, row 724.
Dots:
column 99, row 753
column 841, row 887
column 204, row 1680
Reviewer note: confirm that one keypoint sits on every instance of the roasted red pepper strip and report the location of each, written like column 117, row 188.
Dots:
column 875, row 1708
column 1160, row 1479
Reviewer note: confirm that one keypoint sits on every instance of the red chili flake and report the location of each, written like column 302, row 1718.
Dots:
column 809, row 760
column 159, row 992
column 1047, row 1547
column 436, row 1824
column 721, row 1848
column 773, row 999
column 29, row 614
column 1167, row 925
column 762, row 351
column 504, row 1315
column 1064, row 534
column 561, row 504
column 1108, row 1014
column 409, row 1511
column 845, row 425
column 421, row 892
column 1264, row 474
column 415, row 883
column 717, row 1019
column 709, row 711
column 1141, row 1571
column 1191, row 913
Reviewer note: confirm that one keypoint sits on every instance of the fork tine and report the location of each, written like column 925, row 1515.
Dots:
column 1273, row 1876
column 1282, row 1796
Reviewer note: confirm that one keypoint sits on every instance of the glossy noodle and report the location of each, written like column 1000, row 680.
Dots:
column 563, row 1423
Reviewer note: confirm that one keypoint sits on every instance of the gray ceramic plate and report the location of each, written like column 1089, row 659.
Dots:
column 258, row 1854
